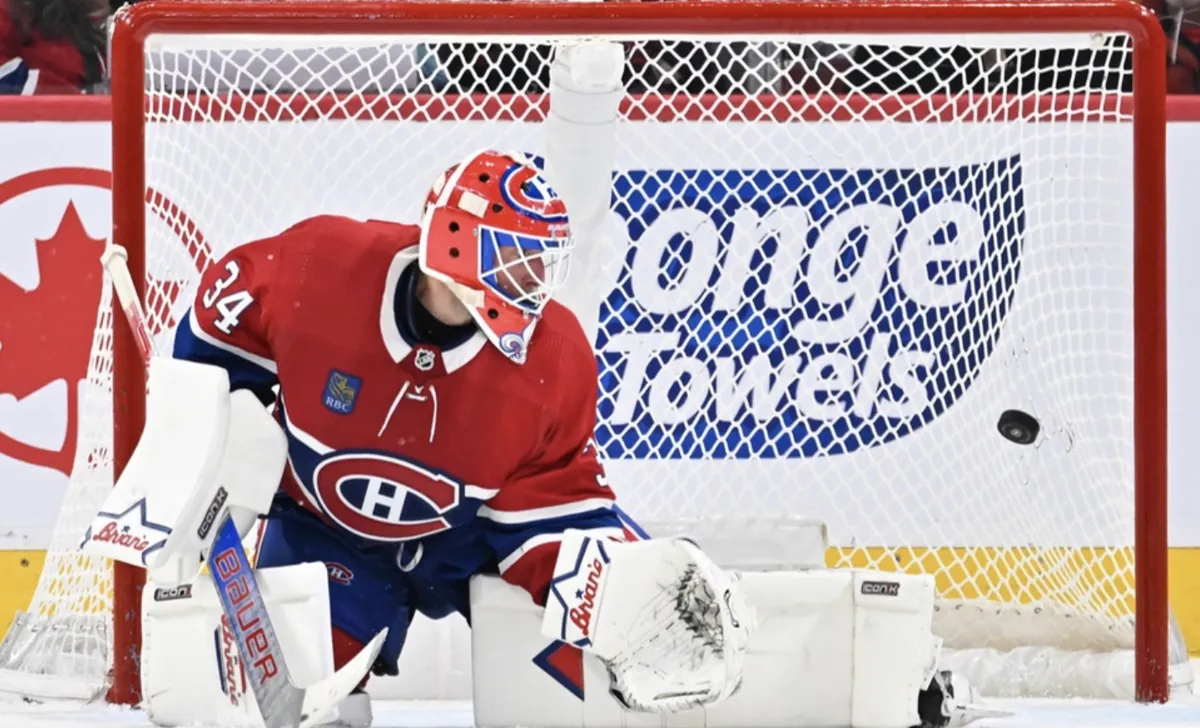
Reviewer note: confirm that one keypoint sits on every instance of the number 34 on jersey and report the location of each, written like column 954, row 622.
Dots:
column 229, row 302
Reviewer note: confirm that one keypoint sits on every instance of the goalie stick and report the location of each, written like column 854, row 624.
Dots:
column 280, row 702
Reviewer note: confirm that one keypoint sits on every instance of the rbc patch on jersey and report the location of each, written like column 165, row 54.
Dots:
column 341, row 392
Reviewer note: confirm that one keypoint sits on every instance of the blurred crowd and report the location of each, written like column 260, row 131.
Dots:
column 52, row 46
column 59, row 47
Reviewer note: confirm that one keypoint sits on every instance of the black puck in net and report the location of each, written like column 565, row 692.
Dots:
column 1019, row 427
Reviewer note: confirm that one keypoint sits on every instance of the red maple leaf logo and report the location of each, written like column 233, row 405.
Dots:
column 46, row 333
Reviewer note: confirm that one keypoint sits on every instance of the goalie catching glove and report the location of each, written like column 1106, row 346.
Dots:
column 668, row 623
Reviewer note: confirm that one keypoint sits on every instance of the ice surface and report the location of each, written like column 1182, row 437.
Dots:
column 388, row 714
column 1093, row 714
column 455, row 714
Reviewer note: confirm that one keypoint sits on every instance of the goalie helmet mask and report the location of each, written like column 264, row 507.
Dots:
column 496, row 233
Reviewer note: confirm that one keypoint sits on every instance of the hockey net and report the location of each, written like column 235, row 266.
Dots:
column 832, row 261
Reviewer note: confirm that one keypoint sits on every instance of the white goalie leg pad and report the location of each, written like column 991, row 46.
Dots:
column 192, row 673
column 832, row 648
column 669, row 624
column 203, row 451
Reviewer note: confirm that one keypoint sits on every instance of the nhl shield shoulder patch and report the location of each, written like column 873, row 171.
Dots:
column 341, row 392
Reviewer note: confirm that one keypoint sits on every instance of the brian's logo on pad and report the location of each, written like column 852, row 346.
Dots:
column 572, row 604
column 581, row 613
column 341, row 392
column 574, row 592
column 128, row 536
column 122, row 536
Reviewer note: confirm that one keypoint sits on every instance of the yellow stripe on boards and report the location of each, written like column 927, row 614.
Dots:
column 1183, row 589
column 19, row 571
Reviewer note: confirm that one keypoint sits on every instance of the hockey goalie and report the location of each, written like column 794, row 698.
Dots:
column 409, row 408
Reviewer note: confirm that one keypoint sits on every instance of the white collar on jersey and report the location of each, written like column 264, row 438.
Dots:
column 397, row 347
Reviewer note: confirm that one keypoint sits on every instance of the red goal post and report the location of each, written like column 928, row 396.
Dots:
column 694, row 19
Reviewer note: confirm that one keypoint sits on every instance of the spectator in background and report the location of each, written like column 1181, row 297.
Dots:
column 1183, row 60
column 52, row 46
column 1179, row 21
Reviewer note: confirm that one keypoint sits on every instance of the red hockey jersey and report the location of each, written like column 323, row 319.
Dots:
column 459, row 457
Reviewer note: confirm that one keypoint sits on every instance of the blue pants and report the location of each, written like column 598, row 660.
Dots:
column 367, row 590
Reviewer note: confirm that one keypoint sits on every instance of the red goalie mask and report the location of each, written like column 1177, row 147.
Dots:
column 496, row 233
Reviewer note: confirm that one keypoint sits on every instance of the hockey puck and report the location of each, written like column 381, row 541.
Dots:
column 1019, row 427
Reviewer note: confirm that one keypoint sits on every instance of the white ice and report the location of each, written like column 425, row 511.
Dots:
column 388, row 714
column 1026, row 713
column 457, row 714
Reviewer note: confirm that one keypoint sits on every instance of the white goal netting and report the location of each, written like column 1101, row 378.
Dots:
column 830, row 265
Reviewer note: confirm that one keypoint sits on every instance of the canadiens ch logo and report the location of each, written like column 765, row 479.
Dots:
column 341, row 392
column 339, row 573
column 527, row 192
column 383, row 497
